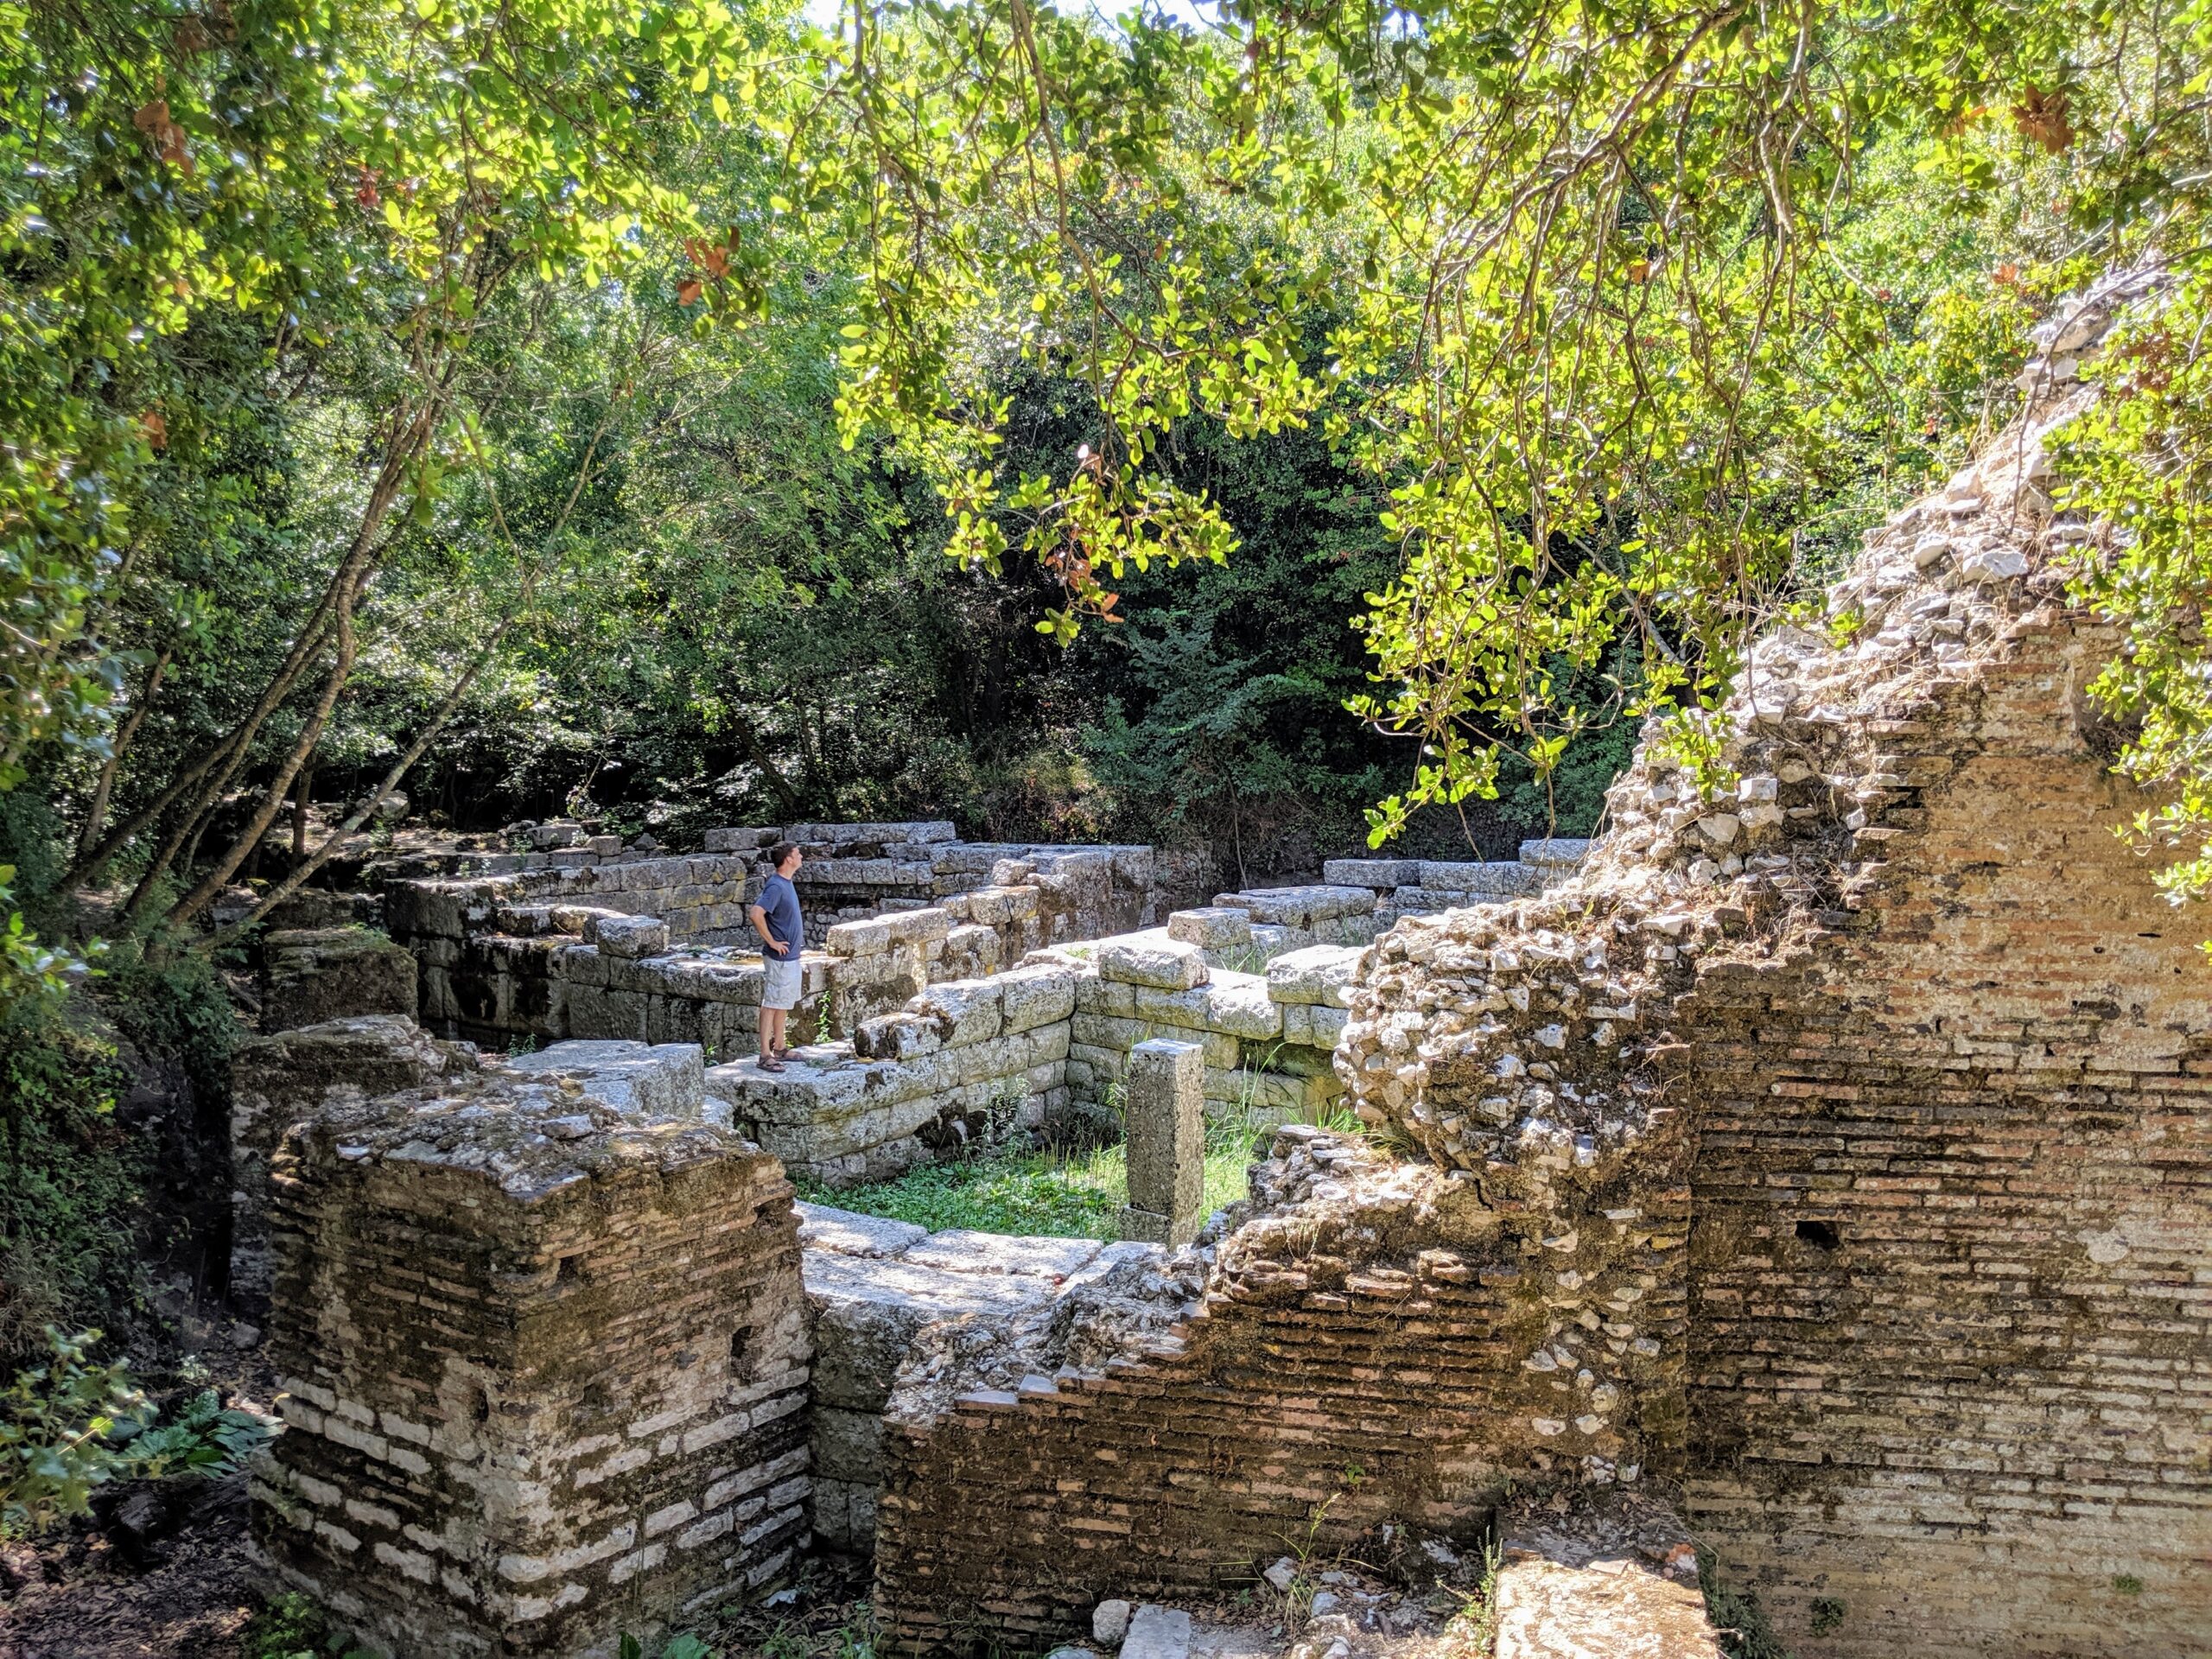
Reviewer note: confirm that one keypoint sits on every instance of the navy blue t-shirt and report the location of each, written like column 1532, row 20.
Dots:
column 778, row 900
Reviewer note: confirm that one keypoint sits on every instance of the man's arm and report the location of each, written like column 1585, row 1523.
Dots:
column 759, row 918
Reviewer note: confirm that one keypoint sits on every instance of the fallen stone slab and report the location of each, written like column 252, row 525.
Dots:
column 1157, row 1633
column 823, row 1228
column 649, row 1079
column 1612, row 1576
column 960, row 1250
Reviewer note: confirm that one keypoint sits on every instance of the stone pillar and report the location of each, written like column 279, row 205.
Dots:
column 544, row 1372
column 1165, row 1119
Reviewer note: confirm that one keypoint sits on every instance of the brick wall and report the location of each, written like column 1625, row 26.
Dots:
column 1367, row 1353
column 1951, row 1272
column 544, row 1371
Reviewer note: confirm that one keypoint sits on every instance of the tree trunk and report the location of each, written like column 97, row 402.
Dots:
column 96, row 814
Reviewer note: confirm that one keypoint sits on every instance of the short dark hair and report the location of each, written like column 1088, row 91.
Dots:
column 779, row 852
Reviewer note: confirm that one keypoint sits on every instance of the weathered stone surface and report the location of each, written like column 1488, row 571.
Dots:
column 1157, row 1633
column 962, row 1250
column 1303, row 907
column 1318, row 974
column 821, row 1227
column 312, row 975
column 1604, row 1580
column 628, row 937
column 660, row 1080
column 1212, row 927
column 1167, row 964
column 1165, row 1122
column 1372, row 872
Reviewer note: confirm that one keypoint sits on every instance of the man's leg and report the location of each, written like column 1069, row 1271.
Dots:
column 776, row 1019
column 770, row 1018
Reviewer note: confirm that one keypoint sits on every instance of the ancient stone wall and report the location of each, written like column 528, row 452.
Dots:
column 966, row 1064
column 543, row 1370
column 1878, row 1016
column 278, row 1080
column 1951, row 1322
column 1368, row 1352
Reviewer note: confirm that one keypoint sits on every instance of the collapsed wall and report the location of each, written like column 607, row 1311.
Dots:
column 1367, row 1354
column 544, row 1363
column 1832, row 1152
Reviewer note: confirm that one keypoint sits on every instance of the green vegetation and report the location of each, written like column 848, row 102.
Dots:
column 292, row 1627
column 1053, row 1193
column 73, row 1424
column 1325, row 422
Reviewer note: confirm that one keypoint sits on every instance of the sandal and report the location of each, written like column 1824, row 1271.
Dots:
column 769, row 1063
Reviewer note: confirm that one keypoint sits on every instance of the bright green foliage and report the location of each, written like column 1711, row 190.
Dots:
column 2142, row 458
column 56, row 1422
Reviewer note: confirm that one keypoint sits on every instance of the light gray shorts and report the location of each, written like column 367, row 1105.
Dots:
column 782, row 989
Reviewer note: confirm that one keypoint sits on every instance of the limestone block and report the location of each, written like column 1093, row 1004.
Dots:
column 1555, row 856
column 1150, row 960
column 626, row 935
column 1313, row 1025
column 1240, row 1005
column 599, row 1011
column 661, row 1080
column 1594, row 1584
column 918, row 926
column 1030, row 997
column 821, row 1227
column 897, row 1037
column 866, row 938
column 1318, row 974
column 963, row 1010
column 1372, row 872
column 847, row 1444
column 1210, row 927
column 740, row 841
column 865, row 1312
column 960, row 1250
column 1165, row 1122
column 1494, row 881
column 1301, row 906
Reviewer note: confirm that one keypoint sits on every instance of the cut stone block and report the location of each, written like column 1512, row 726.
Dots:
column 1213, row 927
column 627, row 936
column 1165, row 1119
column 1301, row 906
column 821, row 1227
column 653, row 1080
column 1318, row 974
column 1169, row 964
column 1372, row 872
column 1492, row 881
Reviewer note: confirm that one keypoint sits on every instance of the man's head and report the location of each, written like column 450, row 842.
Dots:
column 785, row 858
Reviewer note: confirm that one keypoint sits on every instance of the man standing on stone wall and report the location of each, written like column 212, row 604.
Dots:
column 775, row 917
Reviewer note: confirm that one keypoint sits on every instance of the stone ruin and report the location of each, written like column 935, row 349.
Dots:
column 1818, row 1173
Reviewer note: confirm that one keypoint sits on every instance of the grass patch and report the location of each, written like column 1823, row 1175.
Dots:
column 1054, row 1194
